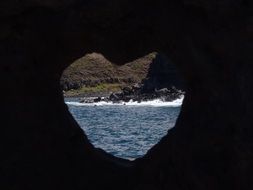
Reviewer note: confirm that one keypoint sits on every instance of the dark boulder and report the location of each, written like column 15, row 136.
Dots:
column 115, row 97
column 98, row 99
column 87, row 100
column 127, row 91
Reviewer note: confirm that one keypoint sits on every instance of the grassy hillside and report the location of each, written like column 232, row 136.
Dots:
column 93, row 74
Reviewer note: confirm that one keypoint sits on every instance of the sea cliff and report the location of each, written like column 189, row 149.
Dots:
column 152, row 76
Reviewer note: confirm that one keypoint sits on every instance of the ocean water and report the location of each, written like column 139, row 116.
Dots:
column 126, row 130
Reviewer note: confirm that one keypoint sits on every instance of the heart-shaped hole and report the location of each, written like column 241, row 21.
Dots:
column 127, row 109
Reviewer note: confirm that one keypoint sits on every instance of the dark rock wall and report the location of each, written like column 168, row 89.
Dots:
column 162, row 73
column 211, row 146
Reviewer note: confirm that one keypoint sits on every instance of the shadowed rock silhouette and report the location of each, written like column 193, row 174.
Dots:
column 42, row 147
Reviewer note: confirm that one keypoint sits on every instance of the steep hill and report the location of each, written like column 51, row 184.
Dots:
column 94, row 75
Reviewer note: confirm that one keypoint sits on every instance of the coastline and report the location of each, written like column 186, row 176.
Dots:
column 127, row 95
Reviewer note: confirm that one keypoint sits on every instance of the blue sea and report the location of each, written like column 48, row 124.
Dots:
column 126, row 130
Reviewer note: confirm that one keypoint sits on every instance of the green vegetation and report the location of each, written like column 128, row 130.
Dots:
column 103, row 88
column 93, row 74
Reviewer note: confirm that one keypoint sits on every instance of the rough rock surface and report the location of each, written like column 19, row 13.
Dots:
column 93, row 69
column 210, row 41
column 137, row 95
column 93, row 75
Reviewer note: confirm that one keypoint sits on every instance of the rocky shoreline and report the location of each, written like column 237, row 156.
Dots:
column 137, row 93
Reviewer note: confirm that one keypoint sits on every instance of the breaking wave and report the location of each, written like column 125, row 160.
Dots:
column 153, row 103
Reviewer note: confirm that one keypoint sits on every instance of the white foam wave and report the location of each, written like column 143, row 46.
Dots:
column 154, row 103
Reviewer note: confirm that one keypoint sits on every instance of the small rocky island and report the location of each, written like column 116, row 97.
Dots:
column 93, row 79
